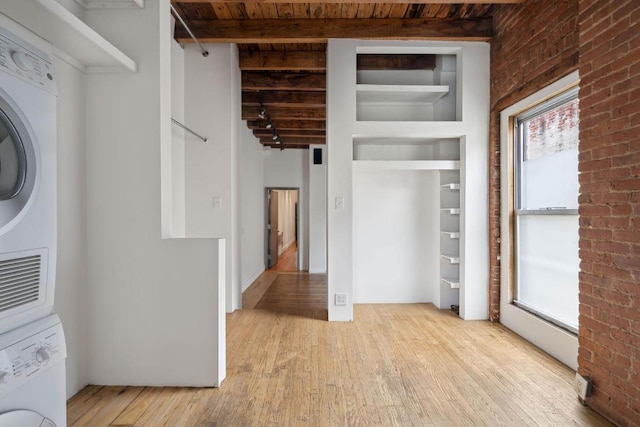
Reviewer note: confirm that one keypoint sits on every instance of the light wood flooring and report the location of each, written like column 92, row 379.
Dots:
column 403, row 365
column 288, row 260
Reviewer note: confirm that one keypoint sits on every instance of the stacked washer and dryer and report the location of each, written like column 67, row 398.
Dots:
column 32, row 343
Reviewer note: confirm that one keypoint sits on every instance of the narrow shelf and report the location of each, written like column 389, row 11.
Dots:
column 406, row 164
column 453, row 283
column 453, row 259
column 451, row 234
column 400, row 93
column 450, row 211
column 51, row 21
column 451, row 186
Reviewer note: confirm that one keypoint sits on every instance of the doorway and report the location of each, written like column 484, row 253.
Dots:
column 281, row 234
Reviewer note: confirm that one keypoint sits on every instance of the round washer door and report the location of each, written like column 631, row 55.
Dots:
column 24, row 418
column 18, row 166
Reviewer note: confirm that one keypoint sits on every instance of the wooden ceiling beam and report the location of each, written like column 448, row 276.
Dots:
column 300, row 133
column 361, row 1
column 395, row 62
column 295, row 140
column 277, row 113
column 281, row 124
column 284, row 99
column 254, row 80
column 320, row 30
column 302, row 146
column 283, row 60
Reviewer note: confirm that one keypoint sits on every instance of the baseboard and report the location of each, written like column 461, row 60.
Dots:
column 252, row 277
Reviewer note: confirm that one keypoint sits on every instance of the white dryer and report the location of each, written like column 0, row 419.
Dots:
column 27, row 182
column 32, row 375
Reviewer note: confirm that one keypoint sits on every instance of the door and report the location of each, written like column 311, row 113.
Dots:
column 272, row 229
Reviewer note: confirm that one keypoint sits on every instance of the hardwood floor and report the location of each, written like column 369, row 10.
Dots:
column 397, row 364
column 288, row 260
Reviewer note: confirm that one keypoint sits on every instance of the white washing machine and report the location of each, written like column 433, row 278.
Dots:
column 27, row 182
column 32, row 375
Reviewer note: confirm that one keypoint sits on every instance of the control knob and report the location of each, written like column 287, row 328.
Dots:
column 22, row 60
column 42, row 356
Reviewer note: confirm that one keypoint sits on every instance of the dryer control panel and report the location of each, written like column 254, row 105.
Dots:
column 25, row 61
column 30, row 350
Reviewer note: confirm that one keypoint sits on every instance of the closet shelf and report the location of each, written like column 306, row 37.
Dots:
column 453, row 283
column 451, row 211
column 451, row 234
column 51, row 21
column 406, row 164
column 451, row 187
column 453, row 259
column 423, row 94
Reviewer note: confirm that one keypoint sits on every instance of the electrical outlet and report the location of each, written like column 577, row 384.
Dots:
column 341, row 299
column 582, row 387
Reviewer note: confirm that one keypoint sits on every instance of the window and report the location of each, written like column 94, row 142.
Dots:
column 546, row 210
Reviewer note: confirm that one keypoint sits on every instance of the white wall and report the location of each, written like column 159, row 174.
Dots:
column 318, row 212
column 212, row 109
column 290, row 168
column 152, row 303
column 286, row 218
column 252, row 213
column 176, row 204
column 395, row 235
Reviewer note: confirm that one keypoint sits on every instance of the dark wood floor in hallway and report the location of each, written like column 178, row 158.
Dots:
column 394, row 365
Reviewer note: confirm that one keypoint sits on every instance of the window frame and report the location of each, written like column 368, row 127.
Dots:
column 547, row 336
column 518, row 159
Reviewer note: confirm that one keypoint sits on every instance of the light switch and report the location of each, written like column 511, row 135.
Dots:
column 217, row 202
column 339, row 202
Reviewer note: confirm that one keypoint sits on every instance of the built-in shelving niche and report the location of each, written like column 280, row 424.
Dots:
column 406, row 87
column 449, row 238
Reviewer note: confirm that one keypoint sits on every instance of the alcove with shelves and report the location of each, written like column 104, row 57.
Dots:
column 398, row 152
column 448, row 292
column 412, row 87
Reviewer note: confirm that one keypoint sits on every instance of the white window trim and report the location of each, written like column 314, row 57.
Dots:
column 550, row 338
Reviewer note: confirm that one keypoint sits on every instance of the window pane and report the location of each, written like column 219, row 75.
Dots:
column 549, row 154
column 548, row 265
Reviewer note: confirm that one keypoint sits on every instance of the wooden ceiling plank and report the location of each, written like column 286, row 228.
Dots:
column 279, row 60
column 254, row 80
column 287, row 146
column 319, row 30
column 333, row 10
column 294, row 140
column 284, row 99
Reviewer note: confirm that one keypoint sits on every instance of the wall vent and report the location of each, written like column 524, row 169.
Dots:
column 19, row 281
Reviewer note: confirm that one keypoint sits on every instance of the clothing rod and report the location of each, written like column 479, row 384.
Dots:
column 188, row 130
column 205, row 53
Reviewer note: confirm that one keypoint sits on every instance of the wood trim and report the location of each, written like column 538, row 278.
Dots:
column 373, row 61
column 299, row 133
column 320, row 30
column 294, row 140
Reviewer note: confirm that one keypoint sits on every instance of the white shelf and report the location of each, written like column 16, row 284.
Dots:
column 453, row 259
column 451, row 234
column 406, row 165
column 453, row 283
column 111, row 4
column 452, row 187
column 51, row 21
column 450, row 211
column 367, row 93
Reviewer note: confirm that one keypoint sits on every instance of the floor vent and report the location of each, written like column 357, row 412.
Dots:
column 19, row 281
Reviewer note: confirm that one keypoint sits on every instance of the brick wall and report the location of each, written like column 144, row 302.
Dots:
column 610, row 206
column 535, row 44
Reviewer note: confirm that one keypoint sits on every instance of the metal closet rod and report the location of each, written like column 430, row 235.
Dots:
column 174, row 121
column 205, row 53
